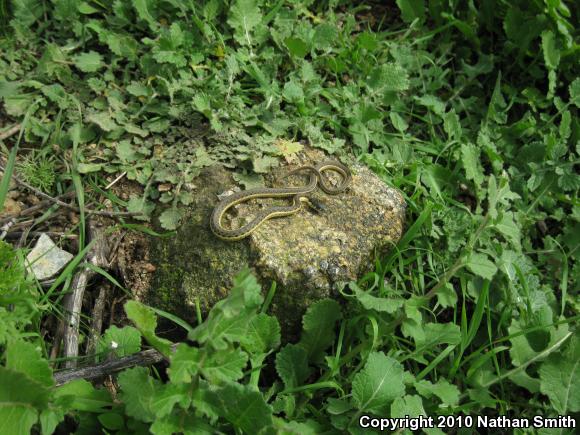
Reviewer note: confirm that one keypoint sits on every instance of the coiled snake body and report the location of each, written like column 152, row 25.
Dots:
column 299, row 195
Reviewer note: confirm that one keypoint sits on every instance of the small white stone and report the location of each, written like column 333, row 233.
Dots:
column 46, row 259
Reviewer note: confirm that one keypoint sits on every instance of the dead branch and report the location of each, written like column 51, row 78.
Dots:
column 97, row 319
column 73, row 301
column 55, row 234
column 4, row 228
column 143, row 358
column 10, row 132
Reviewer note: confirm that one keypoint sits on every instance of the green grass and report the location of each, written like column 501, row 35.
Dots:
column 469, row 109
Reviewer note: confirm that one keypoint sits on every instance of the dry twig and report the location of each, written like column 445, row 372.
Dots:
column 97, row 319
column 10, row 132
column 73, row 302
column 143, row 358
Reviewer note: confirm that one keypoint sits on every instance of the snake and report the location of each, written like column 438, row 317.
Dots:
column 299, row 195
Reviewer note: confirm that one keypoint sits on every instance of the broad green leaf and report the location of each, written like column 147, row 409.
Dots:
column 125, row 151
column 293, row 92
column 157, row 125
column 521, row 350
column 143, row 8
column 120, row 341
column 498, row 195
column 480, row 265
column 482, row 397
column 177, row 35
column 574, row 90
column 452, row 126
column 138, row 89
column 112, row 420
column 565, row 122
column 243, row 17
column 318, row 327
column 263, row 334
column 86, row 9
column 410, row 406
column 522, row 28
column 496, row 110
column 292, row 365
column 135, row 129
column 324, row 35
column 370, row 302
column 211, row 9
column 82, row 396
column 308, row 427
column 122, row 45
column 243, row 407
column 184, row 363
column 140, row 205
column 103, row 120
column 522, row 379
column 17, row 105
column 146, row 321
column 288, row 148
column 167, row 396
column 367, row 40
column 413, row 323
column 436, row 178
column 25, row 357
column 50, row 418
column 228, row 319
column 224, row 365
column 137, row 392
column 550, row 50
column 378, row 383
column 398, row 122
column 432, row 102
column 170, row 56
column 57, row 94
column 8, row 88
column 178, row 422
column 412, row 9
column 389, row 77
column 170, row 218
column 297, row 47
column 89, row 62
column 439, row 333
column 87, row 168
column 471, row 163
column 20, row 400
column 560, row 378
column 26, row 12
column 17, row 418
column 447, row 296
column 508, row 227
column 448, row 393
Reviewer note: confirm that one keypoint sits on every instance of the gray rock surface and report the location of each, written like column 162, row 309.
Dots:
column 46, row 259
column 307, row 254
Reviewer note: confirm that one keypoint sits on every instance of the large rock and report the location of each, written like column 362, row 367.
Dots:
column 307, row 254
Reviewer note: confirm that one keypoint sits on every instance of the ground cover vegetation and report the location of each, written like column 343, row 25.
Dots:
column 469, row 108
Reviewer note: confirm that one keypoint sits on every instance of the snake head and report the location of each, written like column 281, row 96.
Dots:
column 315, row 205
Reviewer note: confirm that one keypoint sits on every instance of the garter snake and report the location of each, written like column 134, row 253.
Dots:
column 297, row 193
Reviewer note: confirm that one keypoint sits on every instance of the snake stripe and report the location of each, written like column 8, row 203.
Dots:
column 298, row 194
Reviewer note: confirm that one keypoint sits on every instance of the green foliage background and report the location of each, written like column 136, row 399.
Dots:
column 469, row 108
